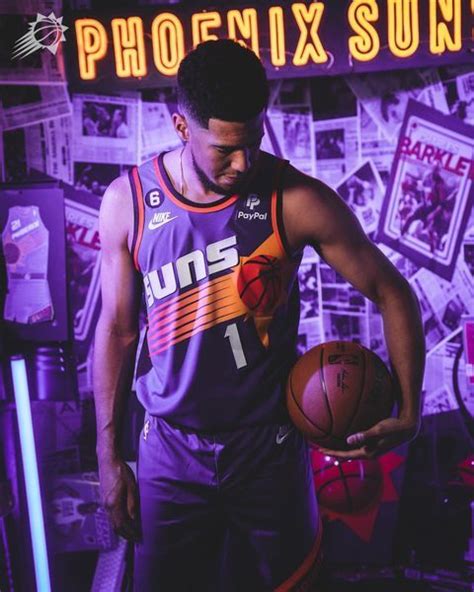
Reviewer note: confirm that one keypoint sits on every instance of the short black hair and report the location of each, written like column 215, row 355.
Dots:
column 224, row 80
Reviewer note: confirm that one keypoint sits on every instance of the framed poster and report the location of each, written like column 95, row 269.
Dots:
column 33, row 260
column 430, row 192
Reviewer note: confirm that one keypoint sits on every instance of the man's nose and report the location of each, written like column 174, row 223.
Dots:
column 241, row 160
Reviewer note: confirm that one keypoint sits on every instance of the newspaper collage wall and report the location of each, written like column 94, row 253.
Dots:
column 397, row 146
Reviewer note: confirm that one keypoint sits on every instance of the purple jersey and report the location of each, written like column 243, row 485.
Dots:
column 222, row 301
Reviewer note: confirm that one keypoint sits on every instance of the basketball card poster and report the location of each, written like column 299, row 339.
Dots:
column 430, row 193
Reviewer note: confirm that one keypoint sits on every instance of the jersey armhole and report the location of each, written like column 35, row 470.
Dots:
column 277, row 211
column 138, row 214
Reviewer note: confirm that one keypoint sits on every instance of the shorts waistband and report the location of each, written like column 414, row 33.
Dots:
column 155, row 419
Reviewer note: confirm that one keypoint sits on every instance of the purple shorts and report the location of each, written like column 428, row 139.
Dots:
column 228, row 511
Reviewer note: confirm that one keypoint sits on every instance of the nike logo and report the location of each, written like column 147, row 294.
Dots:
column 146, row 429
column 283, row 433
column 160, row 219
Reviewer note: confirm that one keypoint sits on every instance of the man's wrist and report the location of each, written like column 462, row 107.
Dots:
column 409, row 414
column 107, row 450
column 412, row 419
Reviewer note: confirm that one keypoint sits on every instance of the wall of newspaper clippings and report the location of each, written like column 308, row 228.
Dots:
column 397, row 146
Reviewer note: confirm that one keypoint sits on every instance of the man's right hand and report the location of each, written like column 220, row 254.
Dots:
column 120, row 497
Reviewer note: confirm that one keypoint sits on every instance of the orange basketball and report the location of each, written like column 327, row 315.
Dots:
column 336, row 389
column 259, row 283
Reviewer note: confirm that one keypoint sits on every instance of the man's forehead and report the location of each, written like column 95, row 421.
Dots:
column 236, row 131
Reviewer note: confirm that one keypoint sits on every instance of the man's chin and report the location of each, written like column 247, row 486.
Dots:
column 228, row 192
column 231, row 186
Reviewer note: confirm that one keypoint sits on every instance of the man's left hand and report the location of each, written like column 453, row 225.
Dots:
column 377, row 440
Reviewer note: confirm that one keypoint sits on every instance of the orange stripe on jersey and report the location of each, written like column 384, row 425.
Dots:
column 195, row 318
column 179, row 314
column 141, row 215
column 204, row 306
column 225, row 317
column 276, row 229
column 169, row 194
column 194, row 311
column 187, row 297
column 313, row 557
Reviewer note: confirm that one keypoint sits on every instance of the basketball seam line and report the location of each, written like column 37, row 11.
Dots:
column 356, row 408
column 349, row 498
column 301, row 410
column 247, row 285
column 346, row 488
column 325, row 391
column 264, row 274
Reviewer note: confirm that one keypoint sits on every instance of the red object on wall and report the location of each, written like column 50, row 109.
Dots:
column 346, row 486
column 352, row 491
column 466, row 471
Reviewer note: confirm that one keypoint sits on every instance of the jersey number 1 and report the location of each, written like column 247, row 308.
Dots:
column 236, row 344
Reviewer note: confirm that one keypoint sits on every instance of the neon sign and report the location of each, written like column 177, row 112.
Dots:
column 292, row 39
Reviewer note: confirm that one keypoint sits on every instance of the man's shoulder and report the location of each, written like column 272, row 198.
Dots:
column 295, row 183
column 312, row 211
column 291, row 178
column 116, row 210
column 119, row 190
column 270, row 159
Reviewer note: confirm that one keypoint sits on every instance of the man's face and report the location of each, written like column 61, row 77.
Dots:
column 224, row 155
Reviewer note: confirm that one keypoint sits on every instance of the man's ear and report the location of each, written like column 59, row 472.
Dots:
column 181, row 126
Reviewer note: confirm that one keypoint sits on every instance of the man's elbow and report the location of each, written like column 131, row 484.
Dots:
column 112, row 327
column 398, row 292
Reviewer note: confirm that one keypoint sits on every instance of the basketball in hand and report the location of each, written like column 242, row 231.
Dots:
column 337, row 389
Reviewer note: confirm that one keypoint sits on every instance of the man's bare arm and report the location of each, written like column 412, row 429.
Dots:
column 316, row 215
column 116, row 339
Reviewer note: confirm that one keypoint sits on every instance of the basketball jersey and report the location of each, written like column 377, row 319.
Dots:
column 26, row 246
column 222, row 301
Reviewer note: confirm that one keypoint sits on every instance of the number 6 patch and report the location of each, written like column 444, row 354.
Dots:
column 154, row 198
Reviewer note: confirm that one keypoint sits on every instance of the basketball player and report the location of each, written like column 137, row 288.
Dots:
column 212, row 234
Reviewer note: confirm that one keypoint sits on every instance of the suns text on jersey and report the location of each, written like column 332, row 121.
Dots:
column 190, row 268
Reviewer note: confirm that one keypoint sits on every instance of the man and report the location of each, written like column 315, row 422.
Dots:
column 214, row 232
column 434, row 194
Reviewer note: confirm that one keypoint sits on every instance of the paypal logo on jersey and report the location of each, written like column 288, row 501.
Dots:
column 190, row 268
column 252, row 202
